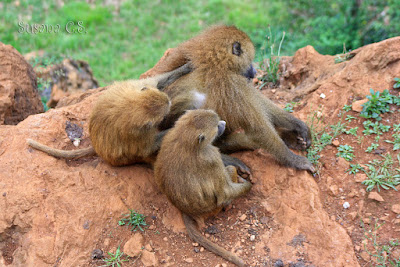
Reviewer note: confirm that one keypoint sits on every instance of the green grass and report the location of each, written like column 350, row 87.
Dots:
column 122, row 46
column 114, row 259
column 136, row 220
column 382, row 174
column 346, row 152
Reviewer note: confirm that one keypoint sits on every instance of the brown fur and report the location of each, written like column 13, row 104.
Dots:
column 220, row 56
column 190, row 171
column 124, row 122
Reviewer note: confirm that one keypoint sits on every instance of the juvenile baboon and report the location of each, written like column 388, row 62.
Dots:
column 220, row 57
column 124, row 122
column 190, row 171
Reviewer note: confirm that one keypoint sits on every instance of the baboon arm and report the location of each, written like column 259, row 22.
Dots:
column 159, row 138
column 170, row 77
column 283, row 119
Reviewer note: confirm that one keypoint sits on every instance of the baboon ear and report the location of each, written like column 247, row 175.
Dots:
column 236, row 49
column 144, row 88
column 201, row 138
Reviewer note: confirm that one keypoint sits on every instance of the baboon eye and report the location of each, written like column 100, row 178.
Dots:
column 236, row 49
column 144, row 88
column 201, row 138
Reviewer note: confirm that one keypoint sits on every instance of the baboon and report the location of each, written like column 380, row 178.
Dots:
column 190, row 171
column 220, row 56
column 123, row 123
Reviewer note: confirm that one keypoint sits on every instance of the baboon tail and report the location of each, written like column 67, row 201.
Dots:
column 58, row 153
column 197, row 237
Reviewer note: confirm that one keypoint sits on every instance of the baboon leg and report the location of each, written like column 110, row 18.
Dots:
column 241, row 167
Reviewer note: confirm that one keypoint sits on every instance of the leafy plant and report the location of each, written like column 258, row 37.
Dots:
column 381, row 173
column 290, row 106
column 352, row 131
column 375, row 128
column 339, row 58
column 396, row 142
column 347, row 107
column 115, row 259
column 270, row 64
column 378, row 103
column 349, row 118
column 372, row 147
column 133, row 218
column 397, row 83
column 346, row 152
column 354, row 168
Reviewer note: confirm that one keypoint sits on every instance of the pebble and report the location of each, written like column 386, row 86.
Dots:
column 365, row 256
column 335, row 142
column 189, row 260
column 322, row 95
column 357, row 105
column 346, row 205
column 252, row 237
column 375, row 196
column 243, row 217
column 396, row 208
column 165, row 239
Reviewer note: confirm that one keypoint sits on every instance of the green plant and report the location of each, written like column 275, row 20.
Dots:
column 290, row 106
column 346, row 152
column 339, row 58
column 375, row 128
column 381, row 173
column 396, row 142
column 396, row 127
column 347, row 107
column 349, row 118
column 135, row 219
column 270, row 64
column 378, row 103
column 372, row 147
column 382, row 253
column 352, row 131
column 354, row 168
column 397, row 83
column 115, row 259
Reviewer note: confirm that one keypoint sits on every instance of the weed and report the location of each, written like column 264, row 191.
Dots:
column 372, row 147
column 290, row 106
column 339, row 58
column 396, row 142
column 375, row 128
column 382, row 253
column 133, row 218
column 381, row 173
column 347, row 107
column 396, row 127
column 349, row 118
column 378, row 104
column 270, row 64
column 354, row 168
column 397, row 83
column 346, row 152
column 352, row 131
column 115, row 259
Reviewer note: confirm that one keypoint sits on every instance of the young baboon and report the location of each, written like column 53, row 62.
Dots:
column 190, row 171
column 124, row 122
column 220, row 57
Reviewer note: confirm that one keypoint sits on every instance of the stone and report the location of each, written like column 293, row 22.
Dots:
column 336, row 143
column 148, row 258
column 134, row 246
column 357, row 105
column 375, row 196
column 242, row 217
column 189, row 260
column 396, row 208
column 365, row 256
column 19, row 96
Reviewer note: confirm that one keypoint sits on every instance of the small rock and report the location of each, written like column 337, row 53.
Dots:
column 252, row 237
column 279, row 263
column 224, row 265
column 189, row 260
column 333, row 190
column 151, row 227
column 365, row 256
column 367, row 220
column 342, row 163
column 322, row 95
column 201, row 249
column 148, row 247
column 396, row 208
column 335, row 142
column 273, row 91
column 346, row 205
column 195, row 244
column 360, row 177
column 396, row 221
column 357, row 248
column 243, row 217
column 134, row 245
column 97, row 254
column 376, row 196
column 165, row 239
column 396, row 253
column 148, row 258
column 357, row 105
column 218, row 265
column 353, row 215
